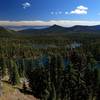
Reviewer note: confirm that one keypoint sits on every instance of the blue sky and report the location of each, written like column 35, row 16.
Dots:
column 48, row 12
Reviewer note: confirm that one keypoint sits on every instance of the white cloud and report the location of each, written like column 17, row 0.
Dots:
column 80, row 10
column 56, row 13
column 26, row 5
column 52, row 13
column 82, row 7
column 60, row 12
column 66, row 12
column 98, row 13
column 66, row 23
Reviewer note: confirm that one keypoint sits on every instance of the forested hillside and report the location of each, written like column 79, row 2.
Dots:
column 50, row 68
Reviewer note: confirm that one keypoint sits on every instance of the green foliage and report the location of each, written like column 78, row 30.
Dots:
column 56, row 83
column 79, row 79
column 14, row 75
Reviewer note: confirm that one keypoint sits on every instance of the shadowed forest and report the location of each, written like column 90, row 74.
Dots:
column 50, row 68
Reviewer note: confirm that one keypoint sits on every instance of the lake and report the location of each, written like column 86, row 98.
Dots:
column 45, row 46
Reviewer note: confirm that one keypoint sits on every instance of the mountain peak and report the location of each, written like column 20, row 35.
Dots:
column 56, row 27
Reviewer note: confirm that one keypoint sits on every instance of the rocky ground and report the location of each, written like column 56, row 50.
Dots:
column 13, row 93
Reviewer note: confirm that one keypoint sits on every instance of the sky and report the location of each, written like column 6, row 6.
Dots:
column 49, row 12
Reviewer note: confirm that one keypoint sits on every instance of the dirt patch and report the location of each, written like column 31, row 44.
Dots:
column 17, row 96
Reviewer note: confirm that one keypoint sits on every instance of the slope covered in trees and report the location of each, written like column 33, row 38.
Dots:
column 53, row 69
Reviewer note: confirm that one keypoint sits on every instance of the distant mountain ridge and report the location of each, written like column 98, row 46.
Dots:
column 59, row 30
column 55, row 30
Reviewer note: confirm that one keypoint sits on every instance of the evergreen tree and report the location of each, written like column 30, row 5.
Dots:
column 14, row 78
column 0, row 81
column 79, row 63
column 3, row 66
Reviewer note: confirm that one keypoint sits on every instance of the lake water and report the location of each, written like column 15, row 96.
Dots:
column 44, row 61
column 45, row 46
